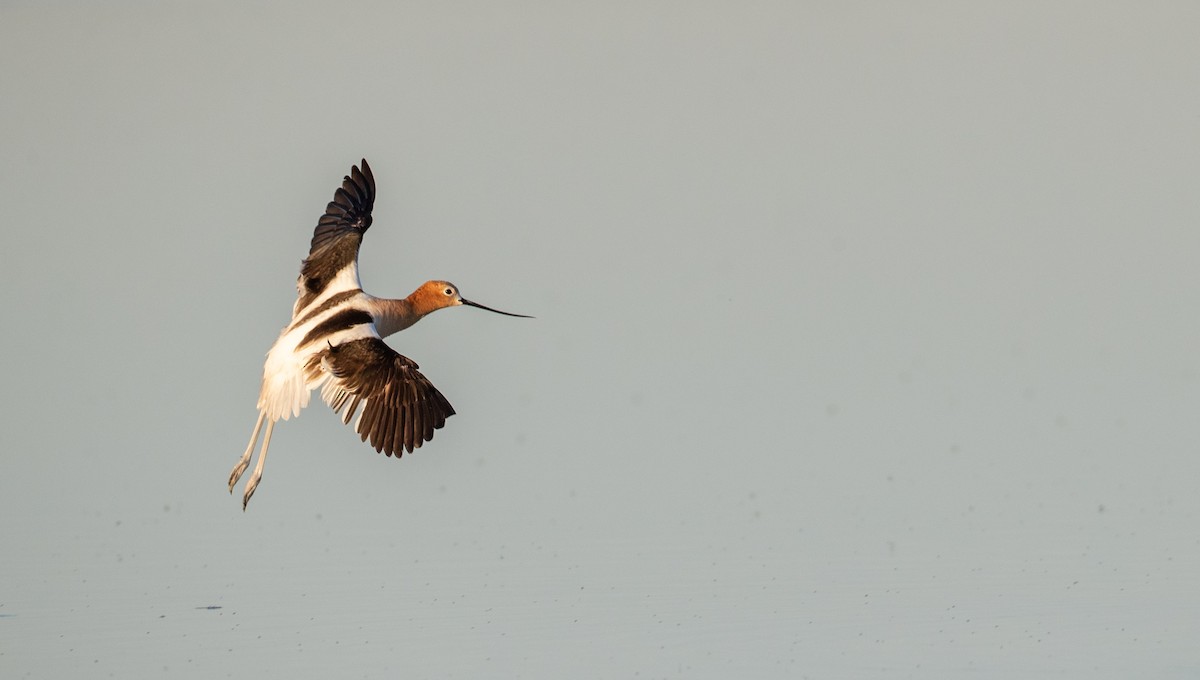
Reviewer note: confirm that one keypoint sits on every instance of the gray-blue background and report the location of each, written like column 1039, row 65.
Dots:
column 866, row 340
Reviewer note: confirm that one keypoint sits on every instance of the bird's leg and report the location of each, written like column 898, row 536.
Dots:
column 245, row 461
column 258, row 468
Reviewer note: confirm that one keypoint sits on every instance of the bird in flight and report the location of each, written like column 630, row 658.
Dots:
column 335, row 342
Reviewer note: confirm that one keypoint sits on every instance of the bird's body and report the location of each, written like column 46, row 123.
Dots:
column 335, row 343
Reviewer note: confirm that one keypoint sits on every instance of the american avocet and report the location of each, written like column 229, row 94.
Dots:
column 335, row 342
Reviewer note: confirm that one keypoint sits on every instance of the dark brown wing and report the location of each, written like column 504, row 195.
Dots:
column 338, row 234
column 400, row 407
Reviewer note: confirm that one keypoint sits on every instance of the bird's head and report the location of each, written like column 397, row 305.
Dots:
column 435, row 295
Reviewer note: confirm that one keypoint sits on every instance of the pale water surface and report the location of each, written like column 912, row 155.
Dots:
column 866, row 341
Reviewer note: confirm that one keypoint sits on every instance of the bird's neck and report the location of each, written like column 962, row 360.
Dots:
column 393, row 316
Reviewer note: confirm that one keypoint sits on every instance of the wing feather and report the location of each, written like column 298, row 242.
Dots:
column 400, row 407
column 338, row 234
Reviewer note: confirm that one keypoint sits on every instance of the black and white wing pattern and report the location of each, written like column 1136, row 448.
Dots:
column 333, row 254
column 400, row 407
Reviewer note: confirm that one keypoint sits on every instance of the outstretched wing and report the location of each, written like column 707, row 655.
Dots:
column 400, row 407
column 332, row 262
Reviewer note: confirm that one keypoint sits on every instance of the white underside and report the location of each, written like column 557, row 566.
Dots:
column 286, row 389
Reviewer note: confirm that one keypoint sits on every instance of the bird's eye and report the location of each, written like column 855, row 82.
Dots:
column 449, row 291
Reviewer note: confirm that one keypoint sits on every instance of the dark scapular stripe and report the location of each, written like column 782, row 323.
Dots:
column 338, row 322
column 333, row 301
